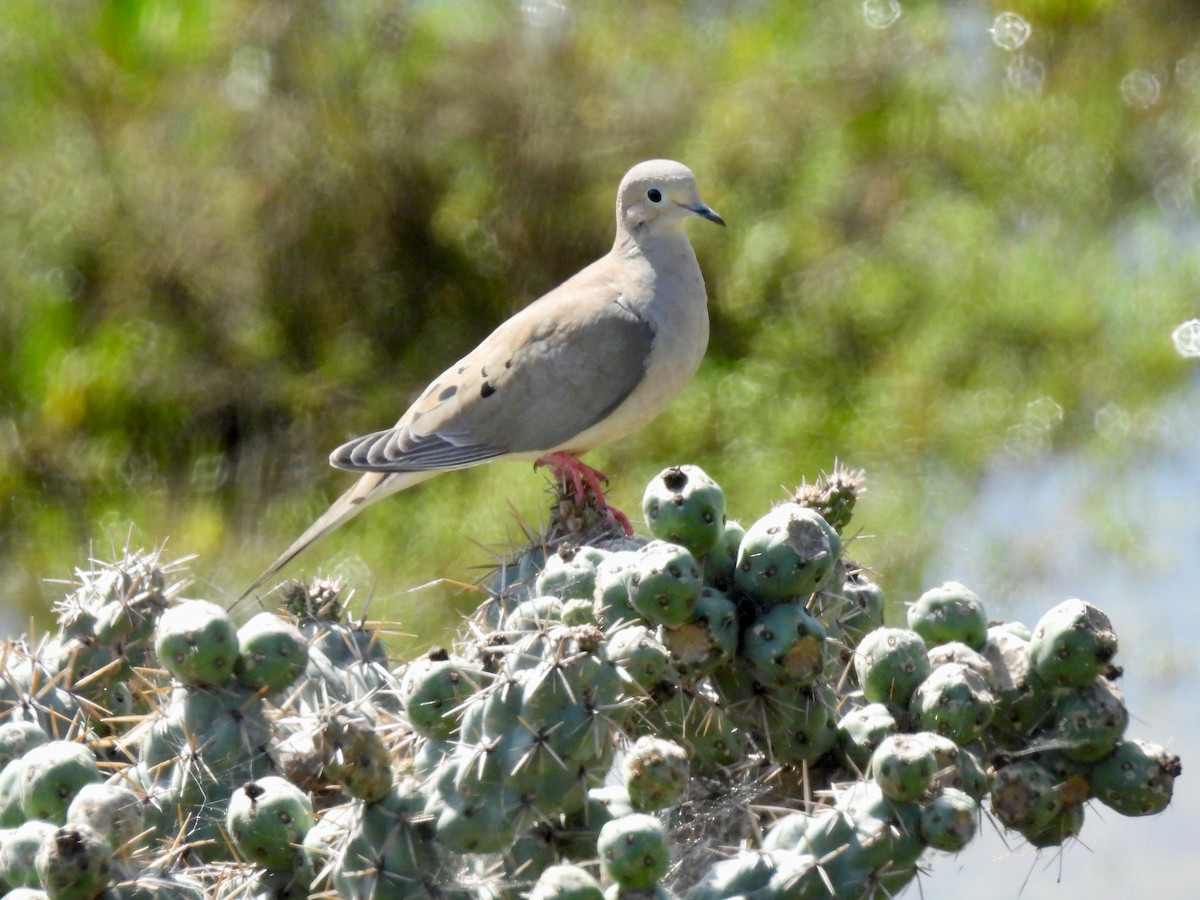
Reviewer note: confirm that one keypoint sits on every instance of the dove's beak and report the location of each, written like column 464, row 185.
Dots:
column 704, row 212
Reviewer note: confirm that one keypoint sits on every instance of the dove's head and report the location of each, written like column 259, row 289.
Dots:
column 657, row 197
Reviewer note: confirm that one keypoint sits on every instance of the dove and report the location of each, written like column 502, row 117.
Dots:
column 585, row 365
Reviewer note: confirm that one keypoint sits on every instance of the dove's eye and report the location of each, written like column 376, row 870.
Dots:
column 654, row 195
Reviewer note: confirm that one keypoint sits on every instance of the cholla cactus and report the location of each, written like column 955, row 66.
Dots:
column 617, row 710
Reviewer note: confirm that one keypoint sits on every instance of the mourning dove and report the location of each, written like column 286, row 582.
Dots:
column 588, row 363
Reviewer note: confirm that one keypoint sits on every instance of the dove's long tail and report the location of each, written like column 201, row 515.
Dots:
column 371, row 487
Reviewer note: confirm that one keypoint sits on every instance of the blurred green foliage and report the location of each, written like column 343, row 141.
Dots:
column 234, row 234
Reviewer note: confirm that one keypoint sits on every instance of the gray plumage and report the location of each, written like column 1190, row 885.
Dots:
column 588, row 363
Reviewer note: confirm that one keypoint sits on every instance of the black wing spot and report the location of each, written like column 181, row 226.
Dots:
column 487, row 390
column 447, row 392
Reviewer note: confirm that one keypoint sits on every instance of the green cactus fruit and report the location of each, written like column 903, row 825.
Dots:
column 354, row 755
column 684, row 506
column 861, row 730
column 954, row 701
column 110, row 809
column 738, row 876
column 720, row 563
column 639, row 655
column 570, row 573
column 53, row 775
column 73, row 863
column 890, row 663
column 197, row 642
column 566, row 882
column 269, row 819
column 946, row 751
column 272, row 653
column 948, row 613
column 1025, row 796
column 1089, row 721
column 431, row 691
column 949, row 820
column 633, row 851
column 655, row 773
column 785, row 645
column 664, row 584
column 960, row 654
column 1072, row 644
column 1136, row 779
column 709, row 639
column 904, row 767
column 17, row 738
column 1023, row 701
column 18, row 853
column 788, row 553
column 610, row 601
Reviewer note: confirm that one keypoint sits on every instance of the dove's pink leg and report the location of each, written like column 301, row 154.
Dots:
column 583, row 479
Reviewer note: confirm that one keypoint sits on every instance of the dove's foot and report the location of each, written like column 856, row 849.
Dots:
column 585, row 480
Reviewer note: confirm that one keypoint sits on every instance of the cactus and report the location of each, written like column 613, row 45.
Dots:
column 890, row 663
column 656, row 773
column 785, row 645
column 268, row 819
column 953, row 701
column 949, row 613
column 197, row 643
column 566, row 883
column 1072, row 644
column 790, row 552
column 949, row 820
column 18, row 853
column 272, row 653
column 709, row 639
column 860, row 732
column 634, row 851
column 52, row 775
column 664, row 584
column 112, row 810
column 73, row 863
column 1136, row 779
column 720, row 563
column 740, row 683
column 684, row 506
column 904, row 767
